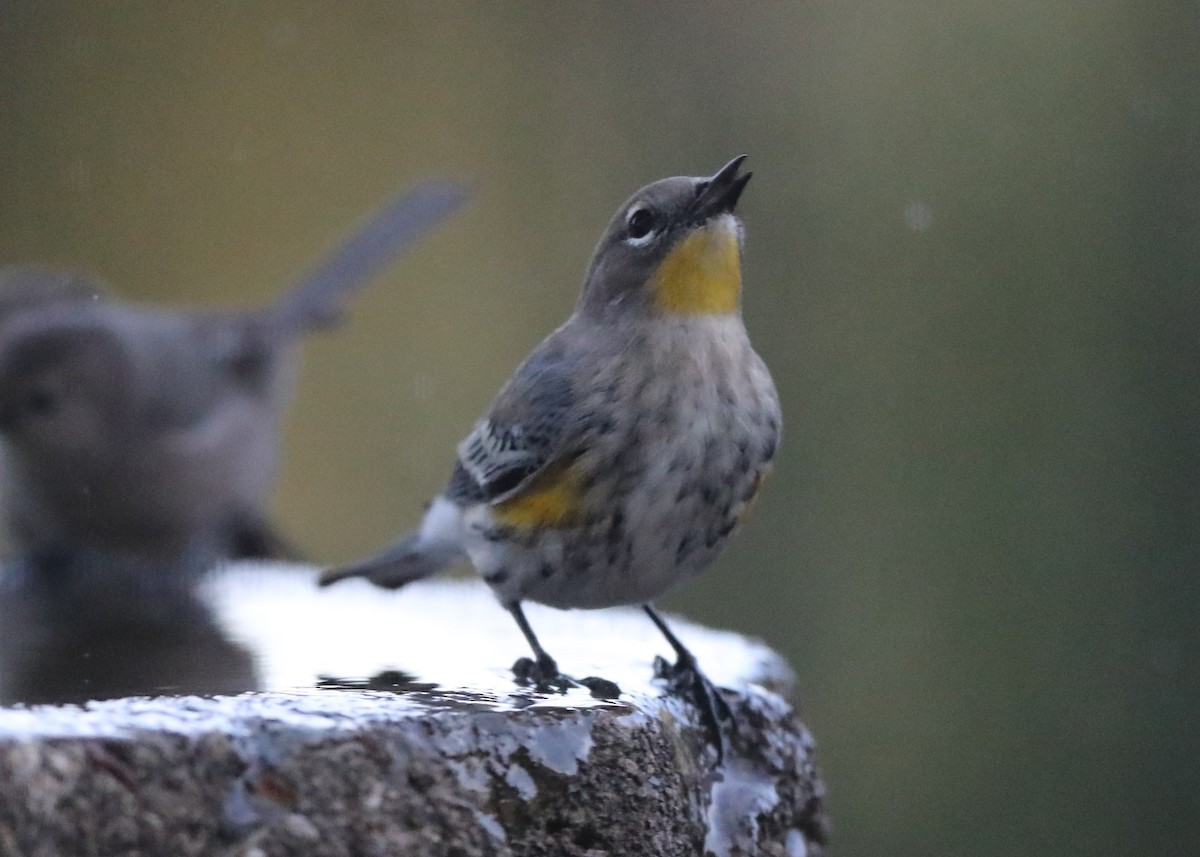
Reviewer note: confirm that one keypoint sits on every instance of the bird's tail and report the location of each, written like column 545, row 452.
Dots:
column 318, row 299
column 435, row 546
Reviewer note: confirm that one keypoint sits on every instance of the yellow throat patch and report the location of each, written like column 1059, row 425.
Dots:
column 702, row 275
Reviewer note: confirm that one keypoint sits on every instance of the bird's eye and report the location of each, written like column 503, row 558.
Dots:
column 40, row 402
column 641, row 223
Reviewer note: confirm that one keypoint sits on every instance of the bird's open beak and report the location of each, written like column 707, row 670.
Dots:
column 719, row 194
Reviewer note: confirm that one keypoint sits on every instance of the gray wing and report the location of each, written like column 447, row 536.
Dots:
column 249, row 344
column 528, row 427
column 318, row 298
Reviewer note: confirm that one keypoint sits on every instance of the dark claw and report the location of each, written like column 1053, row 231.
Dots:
column 524, row 670
column 601, row 688
column 685, row 679
column 542, row 675
column 662, row 668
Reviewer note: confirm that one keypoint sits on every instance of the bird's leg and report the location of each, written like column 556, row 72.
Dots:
column 542, row 670
column 684, row 677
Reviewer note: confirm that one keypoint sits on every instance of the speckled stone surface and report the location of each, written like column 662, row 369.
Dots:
column 425, row 747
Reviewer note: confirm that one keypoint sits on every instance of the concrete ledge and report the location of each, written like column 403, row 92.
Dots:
column 417, row 765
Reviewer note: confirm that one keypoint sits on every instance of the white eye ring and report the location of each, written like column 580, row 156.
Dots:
column 640, row 240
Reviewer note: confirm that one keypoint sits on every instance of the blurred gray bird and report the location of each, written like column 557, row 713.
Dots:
column 617, row 461
column 134, row 435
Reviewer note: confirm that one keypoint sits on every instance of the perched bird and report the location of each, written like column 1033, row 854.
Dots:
column 618, row 459
column 135, row 436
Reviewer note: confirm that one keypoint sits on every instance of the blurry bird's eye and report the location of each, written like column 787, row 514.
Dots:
column 641, row 223
column 40, row 402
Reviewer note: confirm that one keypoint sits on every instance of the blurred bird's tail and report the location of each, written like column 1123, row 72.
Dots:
column 435, row 546
column 320, row 297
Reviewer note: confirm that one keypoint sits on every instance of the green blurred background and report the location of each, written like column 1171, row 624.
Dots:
column 973, row 262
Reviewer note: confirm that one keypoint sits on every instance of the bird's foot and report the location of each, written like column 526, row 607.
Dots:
column 685, row 679
column 543, row 675
column 601, row 688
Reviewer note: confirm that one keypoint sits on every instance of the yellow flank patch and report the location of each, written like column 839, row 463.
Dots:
column 752, row 494
column 702, row 275
column 551, row 500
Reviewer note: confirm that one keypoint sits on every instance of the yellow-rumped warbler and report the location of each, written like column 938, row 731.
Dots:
column 133, row 435
column 621, row 455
